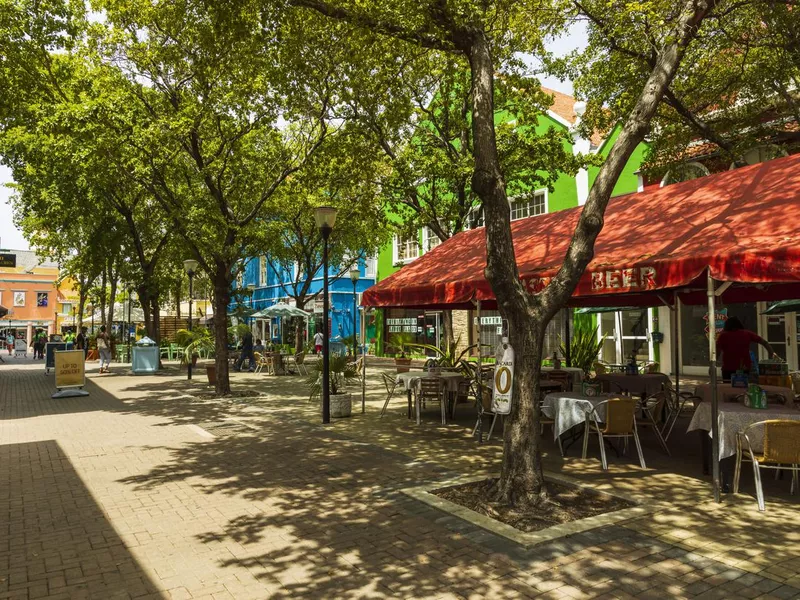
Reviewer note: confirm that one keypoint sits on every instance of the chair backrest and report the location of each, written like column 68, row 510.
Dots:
column 258, row 356
column 561, row 377
column 620, row 416
column 655, row 404
column 431, row 386
column 299, row 358
column 782, row 441
column 599, row 368
column 389, row 381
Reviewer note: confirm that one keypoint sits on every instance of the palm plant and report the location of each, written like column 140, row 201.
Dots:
column 194, row 341
column 449, row 357
column 340, row 371
column 584, row 348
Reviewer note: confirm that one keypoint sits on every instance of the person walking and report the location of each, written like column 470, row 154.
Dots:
column 734, row 345
column 82, row 342
column 247, row 352
column 104, row 349
column 318, row 339
column 10, row 342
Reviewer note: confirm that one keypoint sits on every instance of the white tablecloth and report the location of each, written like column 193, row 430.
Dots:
column 568, row 409
column 650, row 383
column 733, row 418
column 411, row 379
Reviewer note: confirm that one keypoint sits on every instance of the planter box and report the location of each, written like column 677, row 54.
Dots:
column 341, row 405
column 403, row 365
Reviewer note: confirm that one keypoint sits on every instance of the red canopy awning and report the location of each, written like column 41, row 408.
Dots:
column 743, row 225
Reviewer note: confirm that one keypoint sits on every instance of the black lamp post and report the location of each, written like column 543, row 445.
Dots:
column 325, row 217
column 354, row 275
column 131, row 298
column 190, row 266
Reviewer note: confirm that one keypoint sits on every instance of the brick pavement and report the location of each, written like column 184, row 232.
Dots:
column 120, row 495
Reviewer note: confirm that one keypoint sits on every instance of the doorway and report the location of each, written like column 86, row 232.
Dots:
column 626, row 333
column 781, row 331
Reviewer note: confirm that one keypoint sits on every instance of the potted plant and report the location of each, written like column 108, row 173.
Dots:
column 401, row 361
column 192, row 343
column 340, row 371
column 585, row 346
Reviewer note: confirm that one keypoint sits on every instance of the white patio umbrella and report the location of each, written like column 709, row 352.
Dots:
column 281, row 309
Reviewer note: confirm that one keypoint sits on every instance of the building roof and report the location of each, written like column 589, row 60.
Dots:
column 27, row 260
column 564, row 107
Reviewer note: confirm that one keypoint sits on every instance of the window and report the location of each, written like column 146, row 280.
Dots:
column 299, row 272
column 19, row 298
column 405, row 248
column 66, row 308
column 529, row 205
column 262, row 269
column 371, row 268
column 240, row 280
column 429, row 239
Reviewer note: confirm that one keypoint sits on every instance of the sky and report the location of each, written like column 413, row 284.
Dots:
column 12, row 238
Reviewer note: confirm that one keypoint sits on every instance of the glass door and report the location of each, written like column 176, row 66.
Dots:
column 781, row 331
column 626, row 333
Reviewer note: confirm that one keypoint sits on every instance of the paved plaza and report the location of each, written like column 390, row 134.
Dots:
column 141, row 490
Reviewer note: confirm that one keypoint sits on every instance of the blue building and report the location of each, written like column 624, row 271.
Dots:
column 272, row 285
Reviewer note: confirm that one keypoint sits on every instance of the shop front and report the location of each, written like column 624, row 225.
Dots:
column 411, row 326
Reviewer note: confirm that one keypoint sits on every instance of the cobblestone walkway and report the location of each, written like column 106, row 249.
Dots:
column 139, row 491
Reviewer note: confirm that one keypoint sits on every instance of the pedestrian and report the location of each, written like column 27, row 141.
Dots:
column 38, row 344
column 318, row 339
column 734, row 344
column 247, row 352
column 259, row 347
column 10, row 342
column 82, row 342
column 104, row 349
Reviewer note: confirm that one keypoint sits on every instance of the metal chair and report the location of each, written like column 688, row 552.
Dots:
column 261, row 362
column 462, row 393
column 619, row 422
column 431, row 388
column 390, row 382
column 298, row 360
column 652, row 409
column 483, row 402
column 781, row 451
column 676, row 404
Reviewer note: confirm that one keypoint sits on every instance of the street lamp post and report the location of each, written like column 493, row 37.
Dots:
column 354, row 275
column 190, row 266
column 131, row 298
column 325, row 217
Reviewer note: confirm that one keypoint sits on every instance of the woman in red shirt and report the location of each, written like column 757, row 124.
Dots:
column 734, row 344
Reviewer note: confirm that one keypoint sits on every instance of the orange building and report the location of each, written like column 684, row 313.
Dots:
column 30, row 294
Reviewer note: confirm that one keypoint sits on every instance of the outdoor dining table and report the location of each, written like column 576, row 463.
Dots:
column 731, row 419
column 411, row 379
column 727, row 392
column 636, row 385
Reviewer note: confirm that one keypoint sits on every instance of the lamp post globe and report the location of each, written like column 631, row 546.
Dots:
column 354, row 276
column 325, row 218
column 190, row 266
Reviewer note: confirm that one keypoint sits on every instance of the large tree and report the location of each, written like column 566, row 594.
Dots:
column 487, row 34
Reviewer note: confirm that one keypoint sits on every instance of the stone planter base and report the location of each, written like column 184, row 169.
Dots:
column 341, row 405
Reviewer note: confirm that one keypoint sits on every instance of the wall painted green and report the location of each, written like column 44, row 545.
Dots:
column 628, row 181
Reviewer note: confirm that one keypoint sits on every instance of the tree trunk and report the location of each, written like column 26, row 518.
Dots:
column 222, row 298
column 447, row 324
column 103, row 296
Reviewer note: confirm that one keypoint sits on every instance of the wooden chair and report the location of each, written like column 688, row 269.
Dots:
column 781, row 451
column 619, row 422
column 561, row 377
column 431, row 388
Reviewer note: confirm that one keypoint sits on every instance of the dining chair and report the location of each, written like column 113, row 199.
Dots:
column 298, row 360
column 483, row 402
column 676, row 404
column 561, row 377
column 431, row 388
column 260, row 361
column 781, row 450
column 619, row 422
column 599, row 367
column 545, row 421
column 390, row 383
column 462, row 394
column 653, row 412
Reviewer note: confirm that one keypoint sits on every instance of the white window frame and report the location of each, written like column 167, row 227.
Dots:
column 530, row 197
column 429, row 236
column 396, row 249
column 66, row 308
column 297, row 272
column 262, row 270
column 371, row 268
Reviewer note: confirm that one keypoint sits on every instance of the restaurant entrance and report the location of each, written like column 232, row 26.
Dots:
column 781, row 331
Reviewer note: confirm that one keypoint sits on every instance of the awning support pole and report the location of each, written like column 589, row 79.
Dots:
column 712, row 359
column 479, row 382
column 676, row 340
column 363, row 361
column 567, row 342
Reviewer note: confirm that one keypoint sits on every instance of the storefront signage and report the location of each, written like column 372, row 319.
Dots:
column 503, row 382
column 406, row 325
column 720, row 317
column 69, row 368
column 491, row 320
column 8, row 260
column 642, row 278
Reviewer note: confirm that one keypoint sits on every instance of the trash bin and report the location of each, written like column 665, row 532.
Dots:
column 146, row 355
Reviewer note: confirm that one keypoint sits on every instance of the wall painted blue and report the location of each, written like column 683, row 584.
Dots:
column 270, row 292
